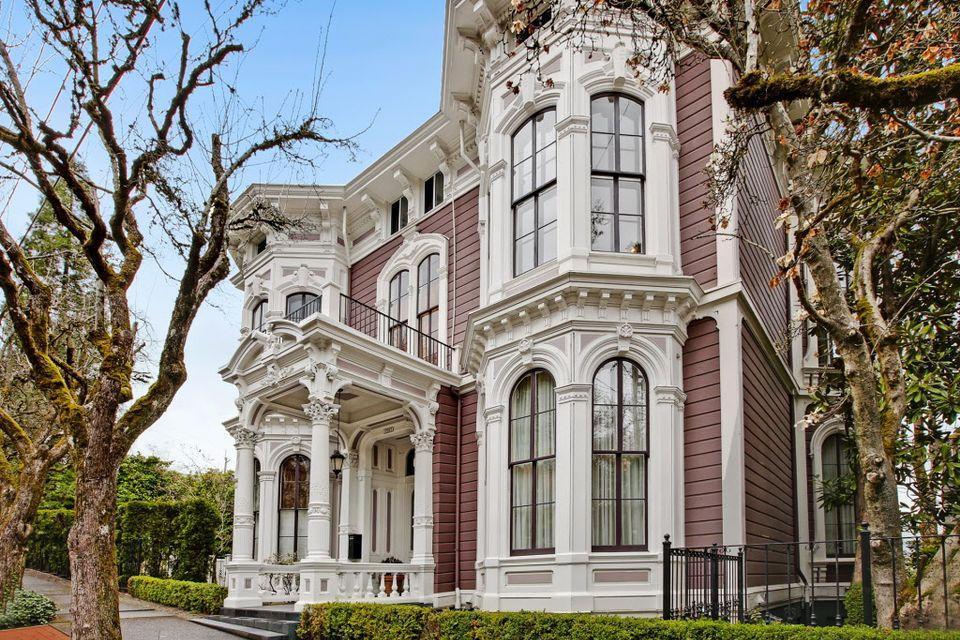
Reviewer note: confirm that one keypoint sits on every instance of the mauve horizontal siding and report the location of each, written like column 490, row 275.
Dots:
column 768, row 459
column 703, row 499
column 444, row 491
column 698, row 248
column 757, row 207
column 463, row 262
column 468, row 490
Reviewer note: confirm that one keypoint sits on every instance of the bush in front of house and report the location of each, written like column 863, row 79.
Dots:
column 27, row 608
column 198, row 597
column 409, row 622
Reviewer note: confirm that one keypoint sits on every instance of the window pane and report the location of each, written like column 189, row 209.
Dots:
column 631, row 117
column 523, row 258
column 523, row 143
column 547, row 165
column 632, row 476
column 631, row 194
column 630, row 150
column 604, row 427
column 522, row 526
column 602, row 151
column 545, row 498
column 633, row 522
column 545, row 424
column 523, row 484
column 522, row 178
column 547, row 238
column 544, row 526
column 428, row 194
column 634, row 428
column 601, row 231
column 601, row 194
column 438, row 188
column 630, row 240
column 634, row 384
column 604, row 500
column 601, row 114
column 524, row 219
column 605, row 384
column 546, row 128
column 547, row 206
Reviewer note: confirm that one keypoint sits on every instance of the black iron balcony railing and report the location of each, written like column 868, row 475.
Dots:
column 394, row 332
column 305, row 310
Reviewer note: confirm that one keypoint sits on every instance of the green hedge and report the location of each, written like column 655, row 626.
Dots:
column 27, row 608
column 161, row 539
column 199, row 597
column 406, row 622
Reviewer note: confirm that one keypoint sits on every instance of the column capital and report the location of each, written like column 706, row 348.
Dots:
column 574, row 393
column 244, row 437
column 423, row 440
column 267, row 475
column 668, row 394
column 320, row 411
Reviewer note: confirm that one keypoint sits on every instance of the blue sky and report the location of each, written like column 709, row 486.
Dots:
column 383, row 72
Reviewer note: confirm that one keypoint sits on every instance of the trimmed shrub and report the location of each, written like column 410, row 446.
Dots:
column 27, row 608
column 198, row 597
column 408, row 622
column 196, row 527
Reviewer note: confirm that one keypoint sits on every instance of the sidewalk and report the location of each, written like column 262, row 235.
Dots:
column 139, row 620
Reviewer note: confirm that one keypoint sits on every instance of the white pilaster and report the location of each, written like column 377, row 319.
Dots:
column 267, row 534
column 731, row 423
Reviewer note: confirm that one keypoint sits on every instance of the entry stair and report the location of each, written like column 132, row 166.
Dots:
column 261, row 623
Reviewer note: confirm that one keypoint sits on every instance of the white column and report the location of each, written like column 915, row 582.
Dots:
column 243, row 497
column 348, row 482
column 423, row 498
column 268, row 507
column 731, row 423
column 320, row 413
column 573, row 191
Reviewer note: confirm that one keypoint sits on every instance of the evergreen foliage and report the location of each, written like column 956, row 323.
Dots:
column 26, row 609
column 199, row 597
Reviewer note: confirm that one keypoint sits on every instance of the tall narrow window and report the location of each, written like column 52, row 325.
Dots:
column 389, row 521
column 839, row 514
column 432, row 191
column 620, row 453
column 535, row 192
column 294, row 498
column 428, row 306
column 256, row 317
column 302, row 304
column 373, row 523
column 616, row 185
column 398, row 214
column 532, row 464
column 399, row 309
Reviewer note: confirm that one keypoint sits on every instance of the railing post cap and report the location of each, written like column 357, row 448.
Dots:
column 666, row 537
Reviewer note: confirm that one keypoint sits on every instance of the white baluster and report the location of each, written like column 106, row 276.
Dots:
column 382, row 593
column 357, row 585
column 393, row 585
column 368, row 590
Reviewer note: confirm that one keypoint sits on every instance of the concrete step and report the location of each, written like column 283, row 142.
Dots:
column 287, row 628
column 273, row 613
column 251, row 633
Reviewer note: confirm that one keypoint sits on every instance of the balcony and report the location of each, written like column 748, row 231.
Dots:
column 383, row 328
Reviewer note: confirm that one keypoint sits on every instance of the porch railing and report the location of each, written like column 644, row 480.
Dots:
column 279, row 583
column 394, row 332
column 369, row 581
column 806, row 582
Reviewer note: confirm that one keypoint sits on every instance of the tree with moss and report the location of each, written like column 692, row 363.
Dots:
column 857, row 102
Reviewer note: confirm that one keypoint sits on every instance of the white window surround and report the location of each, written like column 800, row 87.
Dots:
column 819, row 518
column 416, row 246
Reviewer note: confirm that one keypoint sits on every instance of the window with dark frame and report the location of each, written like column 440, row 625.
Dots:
column 262, row 245
column 399, row 310
column 256, row 507
column 398, row 214
column 294, row 499
column 534, row 184
column 387, row 546
column 296, row 305
column 617, row 174
column 532, row 463
column 840, row 521
column 428, row 306
column 373, row 523
column 432, row 191
column 256, row 316
column 620, row 454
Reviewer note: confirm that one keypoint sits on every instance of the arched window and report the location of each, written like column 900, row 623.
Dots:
column 532, row 463
column 839, row 515
column 616, row 184
column 302, row 304
column 620, row 426
column 256, row 316
column 399, row 310
column 428, row 306
column 294, row 498
column 535, row 192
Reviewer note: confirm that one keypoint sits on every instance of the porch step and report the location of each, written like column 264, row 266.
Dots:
column 278, row 612
column 241, row 631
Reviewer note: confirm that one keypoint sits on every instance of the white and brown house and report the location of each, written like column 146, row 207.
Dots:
column 510, row 356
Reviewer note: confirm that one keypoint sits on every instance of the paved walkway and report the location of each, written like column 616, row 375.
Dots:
column 139, row 620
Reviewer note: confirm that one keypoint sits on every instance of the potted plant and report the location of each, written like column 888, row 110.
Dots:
column 388, row 578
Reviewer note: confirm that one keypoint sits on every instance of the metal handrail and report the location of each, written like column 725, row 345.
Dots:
column 394, row 332
column 304, row 311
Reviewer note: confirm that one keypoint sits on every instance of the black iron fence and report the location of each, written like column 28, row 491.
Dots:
column 305, row 311
column 397, row 333
column 807, row 582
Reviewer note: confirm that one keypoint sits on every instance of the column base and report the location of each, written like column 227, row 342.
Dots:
column 243, row 585
column 318, row 582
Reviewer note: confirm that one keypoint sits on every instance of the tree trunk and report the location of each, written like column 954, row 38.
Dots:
column 93, row 564
column 13, row 555
column 16, row 523
column 881, row 505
